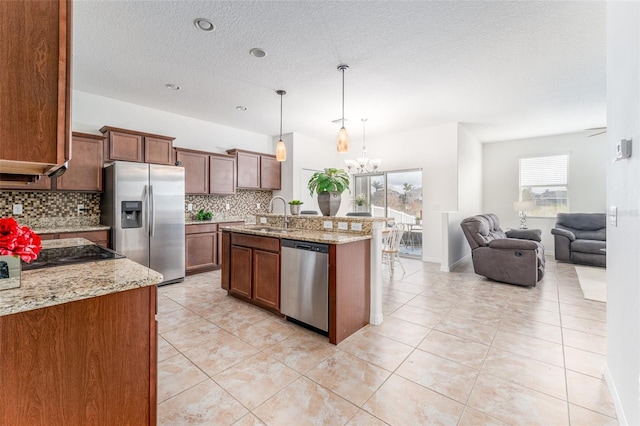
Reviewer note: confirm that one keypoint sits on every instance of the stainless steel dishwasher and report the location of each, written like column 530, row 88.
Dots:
column 304, row 292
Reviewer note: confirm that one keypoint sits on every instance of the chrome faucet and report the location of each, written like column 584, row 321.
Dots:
column 285, row 220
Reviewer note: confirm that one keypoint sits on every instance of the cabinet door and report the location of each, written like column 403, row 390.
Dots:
column 35, row 54
column 101, row 238
column 196, row 172
column 269, row 173
column 201, row 251
column 241, row 270
column 266, row 278
column 158, row 151
column 248, row 170
column 85, row 166
column 222, row 174
column 125, row 146
column 224, row 251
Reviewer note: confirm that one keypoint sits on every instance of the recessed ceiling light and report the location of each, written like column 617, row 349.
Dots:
column 257, row 52
column 204, row 24
column 241, row 108
column 171, row 86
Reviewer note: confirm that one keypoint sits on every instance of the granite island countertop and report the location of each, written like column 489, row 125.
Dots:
column 46, row 287
column 326, row 237
column 216, row 220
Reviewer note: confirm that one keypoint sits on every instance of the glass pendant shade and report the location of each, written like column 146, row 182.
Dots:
column 281, row 151
column 343, row 140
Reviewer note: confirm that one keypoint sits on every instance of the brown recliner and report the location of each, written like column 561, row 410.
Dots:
column 514, row 257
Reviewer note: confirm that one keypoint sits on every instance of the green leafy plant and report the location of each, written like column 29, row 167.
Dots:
column 330, row 180
column 361, row 200
column 203, row 215
column 296, row 202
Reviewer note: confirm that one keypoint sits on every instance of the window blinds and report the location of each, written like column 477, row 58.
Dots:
column 542, row 171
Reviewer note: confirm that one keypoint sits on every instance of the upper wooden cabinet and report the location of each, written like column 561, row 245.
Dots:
column 256, row 170
column 207, row 173
column 139, row 147
column 35, row 78
column 84, row 171
column 85, row 167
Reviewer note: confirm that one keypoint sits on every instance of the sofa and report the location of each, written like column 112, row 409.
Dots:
column 581, row 238
column 514, row 257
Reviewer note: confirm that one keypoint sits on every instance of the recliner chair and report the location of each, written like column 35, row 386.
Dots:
column 497, row 256
column 581, row 238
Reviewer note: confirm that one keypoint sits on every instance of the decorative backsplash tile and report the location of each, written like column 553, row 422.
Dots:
column 243, row 204
column 51, row 209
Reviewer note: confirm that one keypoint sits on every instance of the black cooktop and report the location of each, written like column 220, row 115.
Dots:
column 70, row 255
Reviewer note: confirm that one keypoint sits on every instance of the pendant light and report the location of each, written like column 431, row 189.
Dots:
column 343, row 137
column 281, row 149
column 363, row 164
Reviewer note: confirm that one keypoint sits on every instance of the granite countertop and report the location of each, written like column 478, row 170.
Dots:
column 325, row 237
column 69, row 228
column 42, row 288
column 215, row 220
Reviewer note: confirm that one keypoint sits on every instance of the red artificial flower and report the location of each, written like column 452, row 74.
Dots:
column 16, row 240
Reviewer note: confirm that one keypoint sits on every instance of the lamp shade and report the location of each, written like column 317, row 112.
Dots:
column 343, row 140
column 523, row 206
column 281, row 151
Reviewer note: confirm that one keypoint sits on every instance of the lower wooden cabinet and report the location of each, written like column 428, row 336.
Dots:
column 202, row 250
column 254, row 270
column 87, row 362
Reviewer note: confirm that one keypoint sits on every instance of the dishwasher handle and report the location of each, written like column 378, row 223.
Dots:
column 305, row 245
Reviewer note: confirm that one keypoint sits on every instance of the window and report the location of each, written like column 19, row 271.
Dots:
column 543, row 180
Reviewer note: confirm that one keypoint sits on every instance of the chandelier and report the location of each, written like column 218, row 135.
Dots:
column 363, row 164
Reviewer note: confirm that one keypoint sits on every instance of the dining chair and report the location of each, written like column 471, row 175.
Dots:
column 391, row 248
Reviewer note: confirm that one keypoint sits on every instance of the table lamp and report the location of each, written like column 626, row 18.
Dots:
column 522, row 207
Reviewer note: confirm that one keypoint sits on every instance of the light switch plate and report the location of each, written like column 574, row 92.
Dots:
column 356, row 226
column 228, row 207
column 343, row 226
column 17, row 209
column 613, row 216
column 263, row 220
column 327, row 224
column 189, row 207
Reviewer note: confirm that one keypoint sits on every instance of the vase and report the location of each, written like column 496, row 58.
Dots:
column 329, row 202
column 295, row 209
column 10, row 269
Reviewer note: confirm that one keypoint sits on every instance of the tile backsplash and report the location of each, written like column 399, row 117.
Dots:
column 242, row 204
column 51, row 209
column 60, row 209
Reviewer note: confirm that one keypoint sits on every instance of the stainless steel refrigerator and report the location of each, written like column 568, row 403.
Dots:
column 144, row 206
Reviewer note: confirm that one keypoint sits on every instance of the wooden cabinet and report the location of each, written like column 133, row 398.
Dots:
column 35, row 78
column 84, row 172
column 101, row 238
column 201, row 251
column 204, row 246
column 225, row 259
column 196, row 171
column 222, row 174
column 256, row 170
column 254, row 270
column 85, row 167
column 80, row 363
column 139, row 147
column 207, row 173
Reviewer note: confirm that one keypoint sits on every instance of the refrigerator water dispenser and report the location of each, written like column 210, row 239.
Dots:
column 131, row 214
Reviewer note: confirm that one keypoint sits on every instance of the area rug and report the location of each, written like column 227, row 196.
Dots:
column 593, row 282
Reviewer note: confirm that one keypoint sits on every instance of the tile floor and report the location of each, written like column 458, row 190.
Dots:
column 454, row 349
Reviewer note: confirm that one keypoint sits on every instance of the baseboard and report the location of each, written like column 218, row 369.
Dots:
column 445, row 268
column 622, row 420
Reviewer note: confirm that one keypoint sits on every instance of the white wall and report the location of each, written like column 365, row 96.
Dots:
column 469, row 197
column 623, row 191
column 587, row 177
column 434, row 150
column 91, row 112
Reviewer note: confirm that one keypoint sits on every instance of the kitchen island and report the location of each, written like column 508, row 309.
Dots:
column 78, row 344
column 251, row 271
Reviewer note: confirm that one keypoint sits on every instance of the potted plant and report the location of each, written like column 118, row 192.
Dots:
column 329, row 184
column 418, row 220
column 294, row 206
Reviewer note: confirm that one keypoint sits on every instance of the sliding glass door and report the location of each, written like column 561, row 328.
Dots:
column 396, row 194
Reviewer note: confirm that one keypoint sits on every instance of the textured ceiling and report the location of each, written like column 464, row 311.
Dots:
column 507, row 69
